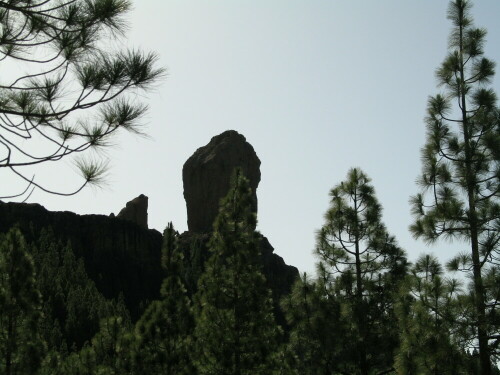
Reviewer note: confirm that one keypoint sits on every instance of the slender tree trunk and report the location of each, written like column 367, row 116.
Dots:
column 484, row 355
column 359, row 313
column 479, row 293
column 359, row 300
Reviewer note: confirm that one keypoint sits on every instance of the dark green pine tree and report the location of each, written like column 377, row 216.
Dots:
column 460, row 182
column 108, row 353
column 72, row 306
column 316, row 330
column 235, row 332
column 428, row 311
column 358, row 263
column 21, row 346
column 164, row 330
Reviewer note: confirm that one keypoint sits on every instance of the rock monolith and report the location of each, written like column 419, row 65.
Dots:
column 206, row 175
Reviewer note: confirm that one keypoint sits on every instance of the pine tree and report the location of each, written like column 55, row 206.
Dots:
column 357, row 257
column 108, row 353
column 428, row 314
column 492, row 286
column 461, row 164
column 21, row 347
column 164, row 330
column 79, row 89
column 316, row 330
column 235, row 332
column 72, row 306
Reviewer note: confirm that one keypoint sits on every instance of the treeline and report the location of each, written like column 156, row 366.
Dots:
column 368, row 311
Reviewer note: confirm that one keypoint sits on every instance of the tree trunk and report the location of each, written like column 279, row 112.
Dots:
column 484, row 355
column 470, row 179
column 359, row 301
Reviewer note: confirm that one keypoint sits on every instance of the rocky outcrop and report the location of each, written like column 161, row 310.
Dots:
column 121, row 257
column 206, row 175
column 136, row 211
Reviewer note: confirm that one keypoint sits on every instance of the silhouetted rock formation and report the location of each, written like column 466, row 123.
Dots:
column 136, row 211
column 206, row 175
column 121, row 257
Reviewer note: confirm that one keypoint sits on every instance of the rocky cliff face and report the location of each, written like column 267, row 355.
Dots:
column 120, row 256
column 206, row 175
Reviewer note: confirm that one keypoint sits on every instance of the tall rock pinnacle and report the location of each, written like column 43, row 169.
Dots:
column 207, row 172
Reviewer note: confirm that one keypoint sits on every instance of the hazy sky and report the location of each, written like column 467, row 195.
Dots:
column 317, row 87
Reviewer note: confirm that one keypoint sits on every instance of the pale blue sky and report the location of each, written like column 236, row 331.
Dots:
column 317, row 87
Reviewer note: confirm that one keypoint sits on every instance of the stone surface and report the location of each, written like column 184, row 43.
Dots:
column 121, row 257
column 206, row 175
column 136, row 211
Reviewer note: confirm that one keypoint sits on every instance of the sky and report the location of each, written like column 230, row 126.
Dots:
column 317, row 87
